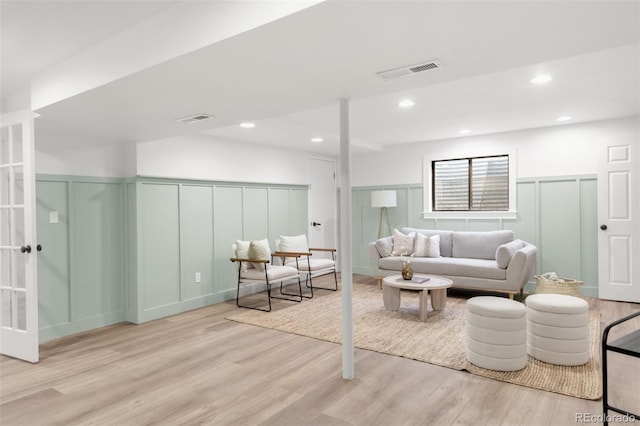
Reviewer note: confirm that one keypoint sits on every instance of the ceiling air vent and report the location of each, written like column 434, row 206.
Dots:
column 195, row 118
column 411, row 69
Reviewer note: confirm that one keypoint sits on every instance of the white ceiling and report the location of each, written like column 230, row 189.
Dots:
column 287, row 75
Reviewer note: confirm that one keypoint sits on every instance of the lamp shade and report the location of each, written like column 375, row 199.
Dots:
column 383, row 199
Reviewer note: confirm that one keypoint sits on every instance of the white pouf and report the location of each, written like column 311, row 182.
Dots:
column 496, row 333
column 558, row 329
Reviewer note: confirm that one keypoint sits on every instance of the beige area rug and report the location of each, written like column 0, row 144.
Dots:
column 439, row 341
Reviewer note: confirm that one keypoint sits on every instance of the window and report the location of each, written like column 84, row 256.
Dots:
column 471, row 184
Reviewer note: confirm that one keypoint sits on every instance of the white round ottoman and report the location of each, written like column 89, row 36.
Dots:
column 496, row 333
column 558, row 329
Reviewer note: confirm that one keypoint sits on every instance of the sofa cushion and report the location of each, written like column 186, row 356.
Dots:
column 427, row 246
column 403, row 243
column 296, row 243
column 384, row 246
column 450, row 266
column 506, row 251
column 479, row 245
column 445, row 238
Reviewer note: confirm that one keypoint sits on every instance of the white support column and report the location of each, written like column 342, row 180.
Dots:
column 346, row 242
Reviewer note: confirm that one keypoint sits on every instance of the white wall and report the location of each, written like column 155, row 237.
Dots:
column 551, row 151
column 57, row 157
column 208, row 159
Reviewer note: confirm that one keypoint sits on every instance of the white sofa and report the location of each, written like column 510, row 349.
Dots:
column 491, row 260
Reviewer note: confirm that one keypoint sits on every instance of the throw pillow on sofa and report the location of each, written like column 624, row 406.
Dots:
column 427, row 246
column 385, row 246
column 403, row 244
column 505, row 252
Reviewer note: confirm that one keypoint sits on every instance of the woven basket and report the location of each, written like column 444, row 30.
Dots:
column 569, row 286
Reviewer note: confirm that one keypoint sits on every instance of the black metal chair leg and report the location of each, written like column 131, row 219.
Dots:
column 300, row 296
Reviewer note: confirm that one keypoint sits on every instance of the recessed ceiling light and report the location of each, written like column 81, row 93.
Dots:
column 564, row 118
column 406, row 103
column 248, row 125
column 464, row 131
column 317, row 140
column 541, row 79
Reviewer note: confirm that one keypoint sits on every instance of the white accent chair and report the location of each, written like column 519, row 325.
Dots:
column 295, row 252
column 258, row 270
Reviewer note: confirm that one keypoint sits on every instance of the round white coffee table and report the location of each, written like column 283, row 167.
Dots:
column 436, row 286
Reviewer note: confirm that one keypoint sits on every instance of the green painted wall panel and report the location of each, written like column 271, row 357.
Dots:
column 255, row 213
column 158, row 220
column 299, row 211
column 560, row 227
column 524, row 226
column 97, row 249
column 54, row 291
column 484, row 224
column 279, row 214
column 589, row 234
column 196, row 225
column 227, row 228
column 132, row 253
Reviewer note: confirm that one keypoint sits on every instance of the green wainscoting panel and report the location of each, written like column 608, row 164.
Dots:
column 416, row 203
column 299, row 211
column 589, row 236
column 255, row 213
column 482, row 225
column 131, row 251
column 81, row 269
column 560, row 227
column 54, row 294
column 97, row 243
column 227, row 228
column 159, row 245
column 525, row 224
column 196, row 230
column 279, row 214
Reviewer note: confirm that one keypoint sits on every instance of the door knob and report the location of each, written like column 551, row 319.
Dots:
column 39, row 247
column 314, row 223
column 603, row 227
column 25, row 249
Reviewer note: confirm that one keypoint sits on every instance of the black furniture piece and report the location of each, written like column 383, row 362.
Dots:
column 629, row 345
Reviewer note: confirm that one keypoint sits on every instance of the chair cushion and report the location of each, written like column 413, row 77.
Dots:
column 274, row 273
column 297, row 243
column 259, row 249
column 313, row 265
column 242, row 252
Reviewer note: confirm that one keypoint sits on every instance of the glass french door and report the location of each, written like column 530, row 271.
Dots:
column 18, row 247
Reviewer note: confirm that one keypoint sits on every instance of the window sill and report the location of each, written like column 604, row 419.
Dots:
column 470, row 215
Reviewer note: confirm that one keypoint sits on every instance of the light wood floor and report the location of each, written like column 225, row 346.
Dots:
column 198, row 368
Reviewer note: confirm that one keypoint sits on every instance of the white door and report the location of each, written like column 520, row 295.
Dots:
column 619, row 222
column 322, row 203
column 18, row 253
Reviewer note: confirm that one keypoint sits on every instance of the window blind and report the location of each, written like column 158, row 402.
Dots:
column 471, row 184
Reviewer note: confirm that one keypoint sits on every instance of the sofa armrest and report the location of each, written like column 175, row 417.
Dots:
column 522, row 266
column 374, row 257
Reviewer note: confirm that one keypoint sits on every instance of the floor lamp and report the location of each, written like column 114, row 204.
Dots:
column 383, row 199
